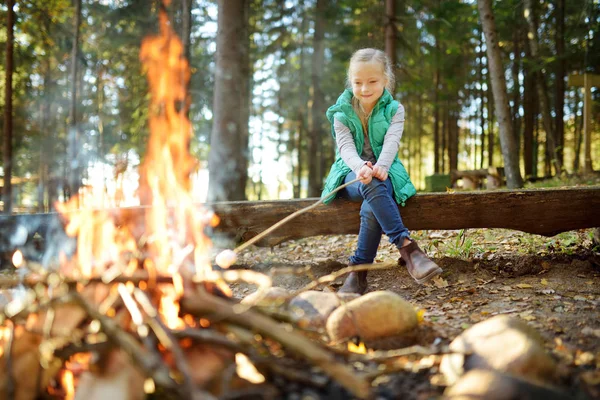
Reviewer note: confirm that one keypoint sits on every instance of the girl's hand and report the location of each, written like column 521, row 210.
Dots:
column 366, row 173
column 380, row 173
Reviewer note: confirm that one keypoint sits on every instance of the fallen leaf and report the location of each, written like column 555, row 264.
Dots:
column 524, row 286
column 440, row 282
column 544, row 282
column 584, row 358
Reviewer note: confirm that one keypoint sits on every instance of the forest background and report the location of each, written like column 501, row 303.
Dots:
column 263, row 73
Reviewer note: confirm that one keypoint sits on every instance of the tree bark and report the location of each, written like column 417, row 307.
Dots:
column 302, row 107
column 228, row 158
column 8, row 109
column 541, row 86
column 186, row 27
column 490, row 118
column 436, row 120
column 560, row 79
column 507, row 138
column 74, row 174
column 315, row 147
column 453, row 139
column 483, row 99
column 390, row 33
column 577, row 133
column 516, row 69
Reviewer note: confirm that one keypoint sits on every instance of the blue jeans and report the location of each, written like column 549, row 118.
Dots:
column 379, row 214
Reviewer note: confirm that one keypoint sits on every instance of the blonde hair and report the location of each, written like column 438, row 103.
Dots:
column 368, row 55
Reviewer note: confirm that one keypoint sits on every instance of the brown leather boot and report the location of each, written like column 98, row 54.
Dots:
column 356, row 282
column 419, row 266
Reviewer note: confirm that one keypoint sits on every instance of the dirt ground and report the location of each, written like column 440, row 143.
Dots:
column 552, row 283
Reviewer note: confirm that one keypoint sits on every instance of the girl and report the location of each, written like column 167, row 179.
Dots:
column 367, row 125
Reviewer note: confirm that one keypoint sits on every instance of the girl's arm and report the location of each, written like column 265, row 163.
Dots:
column 347, row 148
column 391, row 142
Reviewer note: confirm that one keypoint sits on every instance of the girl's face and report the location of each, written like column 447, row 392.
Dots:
column 368, row 82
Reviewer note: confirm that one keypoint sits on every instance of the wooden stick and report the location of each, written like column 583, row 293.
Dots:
column 290, row 217
column 189, row 390
column 202, row 303
column 10, row 386
column 151, row 365
column 334, row 275
column 34, row 279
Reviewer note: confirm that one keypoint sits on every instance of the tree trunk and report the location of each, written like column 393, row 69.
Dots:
column 560, row 79
column 453, row 137
column 186, row 26
column 529, row 99
column 390, row 33
column 46, row 140
column 228, row 158
column 8, row 109
column 315, row 148
column 541, row 86
column 578, row 134
column 507, row 138
column 516, row 69
column 74, row 158
column 444, row 136
column 483, row 98
column 490, row 118
column 436, row 119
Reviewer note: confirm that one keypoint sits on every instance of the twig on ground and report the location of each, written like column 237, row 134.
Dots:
column 333, row 276
column 384, row 355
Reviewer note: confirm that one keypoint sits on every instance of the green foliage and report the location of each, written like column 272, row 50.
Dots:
column 433, row 36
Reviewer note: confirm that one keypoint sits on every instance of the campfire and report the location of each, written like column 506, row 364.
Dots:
column 139, row 308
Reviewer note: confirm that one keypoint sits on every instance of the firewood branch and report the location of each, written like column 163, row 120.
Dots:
column 203, row 304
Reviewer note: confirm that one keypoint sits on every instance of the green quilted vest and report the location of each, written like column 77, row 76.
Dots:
column 379, row 123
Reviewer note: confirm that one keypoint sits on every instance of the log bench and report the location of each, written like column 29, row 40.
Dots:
column 539, row 211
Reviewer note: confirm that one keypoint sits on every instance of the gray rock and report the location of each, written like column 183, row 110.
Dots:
column 493, row 385
column 311, row 309
column 500, row 343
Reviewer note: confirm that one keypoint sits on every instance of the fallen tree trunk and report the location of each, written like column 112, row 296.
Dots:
column 542, row 211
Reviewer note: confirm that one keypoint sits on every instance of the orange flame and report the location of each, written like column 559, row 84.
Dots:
column 173, row 232
column 68, row 384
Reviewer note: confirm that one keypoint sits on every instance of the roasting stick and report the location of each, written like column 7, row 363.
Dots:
column 227, row 258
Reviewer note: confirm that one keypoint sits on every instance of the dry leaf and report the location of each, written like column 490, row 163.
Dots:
column 544, row 282
column 524, row 286
column 440, row 282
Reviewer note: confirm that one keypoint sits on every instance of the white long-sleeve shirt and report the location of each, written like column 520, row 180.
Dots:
column 389, row 151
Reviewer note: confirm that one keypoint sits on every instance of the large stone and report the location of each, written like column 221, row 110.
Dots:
column 311, row 309
column 500, row 343
column 372, row 316
column 493, row 385
column 273, row 297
